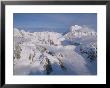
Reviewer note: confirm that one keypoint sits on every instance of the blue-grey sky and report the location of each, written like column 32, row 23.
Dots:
column 54, row 21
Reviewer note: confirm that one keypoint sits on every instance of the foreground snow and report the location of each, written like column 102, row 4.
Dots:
column 44, row 53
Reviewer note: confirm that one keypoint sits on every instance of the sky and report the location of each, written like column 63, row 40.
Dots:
column 53, row 21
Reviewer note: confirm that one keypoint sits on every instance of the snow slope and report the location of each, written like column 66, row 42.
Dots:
column 43, row 53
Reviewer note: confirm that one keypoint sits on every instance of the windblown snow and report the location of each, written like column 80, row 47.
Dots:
column 52, row 53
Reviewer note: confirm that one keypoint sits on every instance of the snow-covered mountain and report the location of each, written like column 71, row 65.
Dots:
column 37, row 37
column 44, row 53
column 77, row 32
column 85, row 39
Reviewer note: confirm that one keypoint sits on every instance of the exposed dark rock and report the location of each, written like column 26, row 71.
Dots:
column 48, row 67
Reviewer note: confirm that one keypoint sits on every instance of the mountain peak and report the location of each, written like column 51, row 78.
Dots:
column 75, row 27
column 83, row 28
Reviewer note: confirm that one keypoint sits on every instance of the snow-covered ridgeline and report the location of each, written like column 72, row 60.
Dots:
column 41, row 53
column 50, row 38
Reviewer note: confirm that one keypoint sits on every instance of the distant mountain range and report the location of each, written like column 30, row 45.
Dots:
column 41, row 29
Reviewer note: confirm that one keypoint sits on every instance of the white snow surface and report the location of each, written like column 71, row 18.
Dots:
column 42, row 53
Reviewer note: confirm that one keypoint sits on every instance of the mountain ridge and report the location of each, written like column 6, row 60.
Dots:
column 43, row 53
